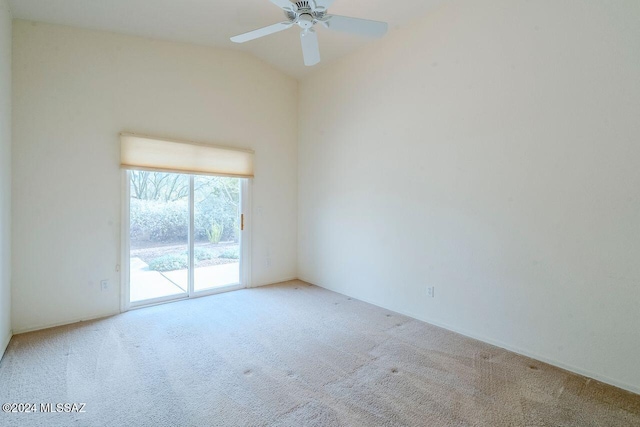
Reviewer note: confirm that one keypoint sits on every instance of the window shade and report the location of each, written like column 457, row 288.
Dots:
column 163, row 155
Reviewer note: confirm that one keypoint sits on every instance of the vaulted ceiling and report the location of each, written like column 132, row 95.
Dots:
column 212, row 22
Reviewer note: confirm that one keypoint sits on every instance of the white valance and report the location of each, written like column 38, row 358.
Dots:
column 165, row 155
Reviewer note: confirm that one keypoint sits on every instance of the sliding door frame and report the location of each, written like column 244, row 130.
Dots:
column 245, row 248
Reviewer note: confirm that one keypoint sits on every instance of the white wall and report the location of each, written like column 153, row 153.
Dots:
column 74, row 91
column 490, row 150
column 5, row 175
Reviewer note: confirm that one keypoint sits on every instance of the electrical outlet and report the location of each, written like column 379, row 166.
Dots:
column 431, row 291
column 104, row 285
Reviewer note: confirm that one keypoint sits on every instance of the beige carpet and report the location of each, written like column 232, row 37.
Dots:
column 291, row 355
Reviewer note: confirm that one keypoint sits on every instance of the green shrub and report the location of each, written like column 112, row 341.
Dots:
column 159, row 221
column 200, row 254
column 230, row 254
column 215, row 233
column 160, row 207
column 170, row 262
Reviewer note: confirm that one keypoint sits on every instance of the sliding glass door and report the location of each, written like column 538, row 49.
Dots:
column 216, row 232
column 185, row 235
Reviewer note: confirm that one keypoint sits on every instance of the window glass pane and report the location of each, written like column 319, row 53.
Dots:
column 216, row 232
column 159, row 235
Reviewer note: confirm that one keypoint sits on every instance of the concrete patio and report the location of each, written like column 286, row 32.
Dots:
column 147, row 284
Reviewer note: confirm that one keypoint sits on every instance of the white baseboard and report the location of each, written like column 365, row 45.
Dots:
column 288, row 279
column 101, row 316
column 4, row 344
column 534, row 355
column 63, row 323
column 523, row 352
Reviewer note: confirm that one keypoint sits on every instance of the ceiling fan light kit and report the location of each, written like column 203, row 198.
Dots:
column 306, row 14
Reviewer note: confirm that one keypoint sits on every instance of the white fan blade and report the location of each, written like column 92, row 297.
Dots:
column 359, row 26
column 285, row 5
column 261, row 32
column 310, row 48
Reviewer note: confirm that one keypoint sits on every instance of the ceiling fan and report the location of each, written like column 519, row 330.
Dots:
column 306, row 14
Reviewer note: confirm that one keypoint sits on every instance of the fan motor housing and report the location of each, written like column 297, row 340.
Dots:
column 304, row 8
column 305, row 21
